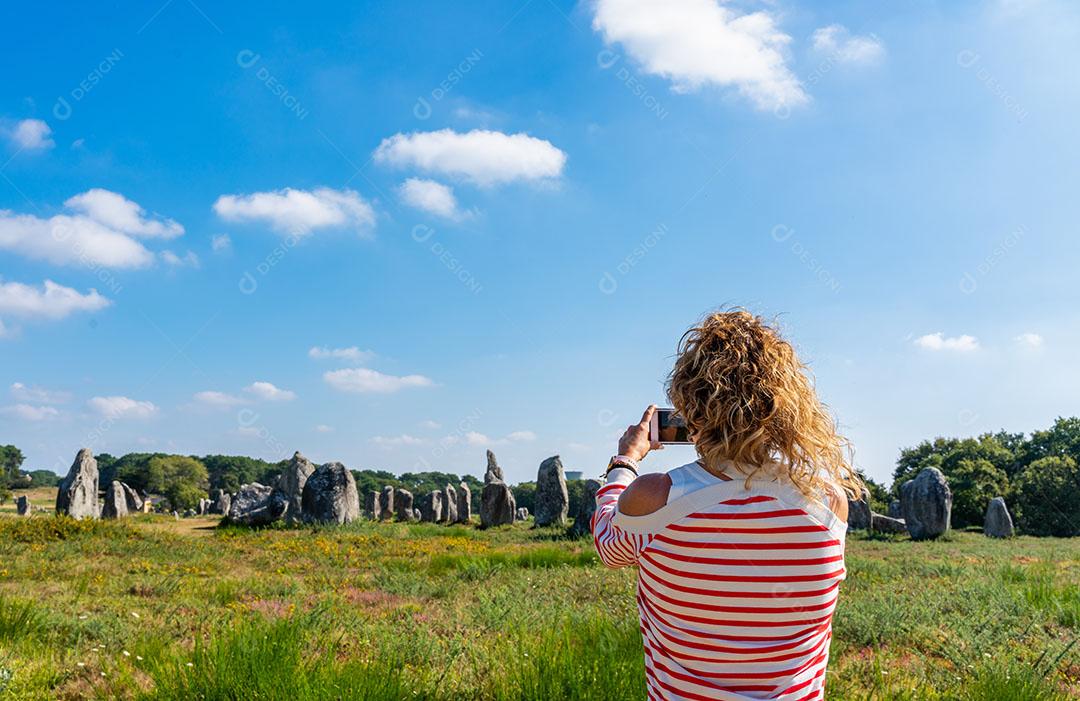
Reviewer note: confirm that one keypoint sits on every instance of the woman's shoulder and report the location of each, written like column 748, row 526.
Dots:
column 652, row 491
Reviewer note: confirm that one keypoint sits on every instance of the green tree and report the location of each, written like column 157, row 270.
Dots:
column 182, row 480
column 1048, row 497
column 1060, row 440
column 11, row 460
column 43, row 478
column 228, row 472
column 974, row 483
column 525, row 495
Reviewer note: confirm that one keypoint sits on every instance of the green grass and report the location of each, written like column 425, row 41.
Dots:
column 416, row 611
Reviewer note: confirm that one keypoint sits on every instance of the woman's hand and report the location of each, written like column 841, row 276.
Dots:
column 635, row 443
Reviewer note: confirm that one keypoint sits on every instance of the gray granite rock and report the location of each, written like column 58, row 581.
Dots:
column 431, row 507
column 583, row 518
column 926, row 502
column 222, row 503
column 120, row 501
column 371, row 506
column 77, row 495
column 859, row 512
column 464, row 503
column 894, row 509
column 22, row 506
column 386, row 503
column 521, row 514
column 403, row 504
column 497, row 505
column 552, row 499
column 449, row 514
column 998, row 522
column 291, row 485
column 887, row 524
column 493, row 473
column 330, row 495
column 257, row 505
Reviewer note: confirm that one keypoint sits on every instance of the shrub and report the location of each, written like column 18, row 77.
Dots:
column 1048, row 497
column 974, row 483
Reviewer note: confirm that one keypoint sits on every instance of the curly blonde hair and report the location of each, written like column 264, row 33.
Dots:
column 746, row 398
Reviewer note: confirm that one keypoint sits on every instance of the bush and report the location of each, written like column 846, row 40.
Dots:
column 974, row 483
column 1048, row 497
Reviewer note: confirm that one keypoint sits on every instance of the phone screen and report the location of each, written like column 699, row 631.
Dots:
column 670, row 427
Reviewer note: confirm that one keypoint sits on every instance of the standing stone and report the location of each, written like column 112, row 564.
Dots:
column 330, row 495
column 386, row 503
column 291, row 484
column 431, row 507
column 552, row 500
column 894, row 509
column 257, row 505
column 77, row 495
column 449, row 504
column 522, row 514
column 493, row 473
column 115, row 501
column 464, row 503
column 22, row 506
column 189, row 513
column 583, row 517
column 416, row 514
column 859, row 511
column 998, row 523
column 204, row 507
column 403, row 504
column 497, row 505
column 887, row 524
column 371, row 506
column 927, row 504
column 222, row 504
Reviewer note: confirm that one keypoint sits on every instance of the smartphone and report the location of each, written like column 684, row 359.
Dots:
column 668, row 427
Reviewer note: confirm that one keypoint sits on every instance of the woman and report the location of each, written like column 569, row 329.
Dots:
column 741, row 553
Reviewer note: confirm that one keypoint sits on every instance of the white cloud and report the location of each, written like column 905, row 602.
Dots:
column 483, row 157
column 117, row 212
column 221, row 243
column 189, row 259
column 5, row 332
column 430, row 196
column 299, row 212
column 480, row 439
column 939, row 342
column 836, row 41
column 429, row 424
column 28, row 412
column 32, row 135
column 268, row 392
column 218, row 399
column 363, row 380
column 102, row 232
column 697, row 43
column 477, row 438
column 323, row 428
column 122, row 408
column 50, row 301
column 38, row 395
column 1030, row 340
column 394, row 441
column 352, row 354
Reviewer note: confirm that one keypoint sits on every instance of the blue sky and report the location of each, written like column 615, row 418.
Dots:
column 492, row 221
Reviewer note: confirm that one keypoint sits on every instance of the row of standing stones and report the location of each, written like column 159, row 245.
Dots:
column 924, row 510
column 327, row 494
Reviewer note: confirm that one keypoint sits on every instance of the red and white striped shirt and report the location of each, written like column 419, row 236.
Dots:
column 736, row 587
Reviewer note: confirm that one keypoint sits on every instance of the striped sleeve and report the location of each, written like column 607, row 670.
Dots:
column 616, row 547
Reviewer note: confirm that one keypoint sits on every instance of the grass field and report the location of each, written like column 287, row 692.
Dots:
column 159, row 609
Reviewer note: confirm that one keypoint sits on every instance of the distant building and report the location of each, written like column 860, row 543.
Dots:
column 575, row 475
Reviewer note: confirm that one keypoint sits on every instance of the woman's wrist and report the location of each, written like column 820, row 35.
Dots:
column 623, row 461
